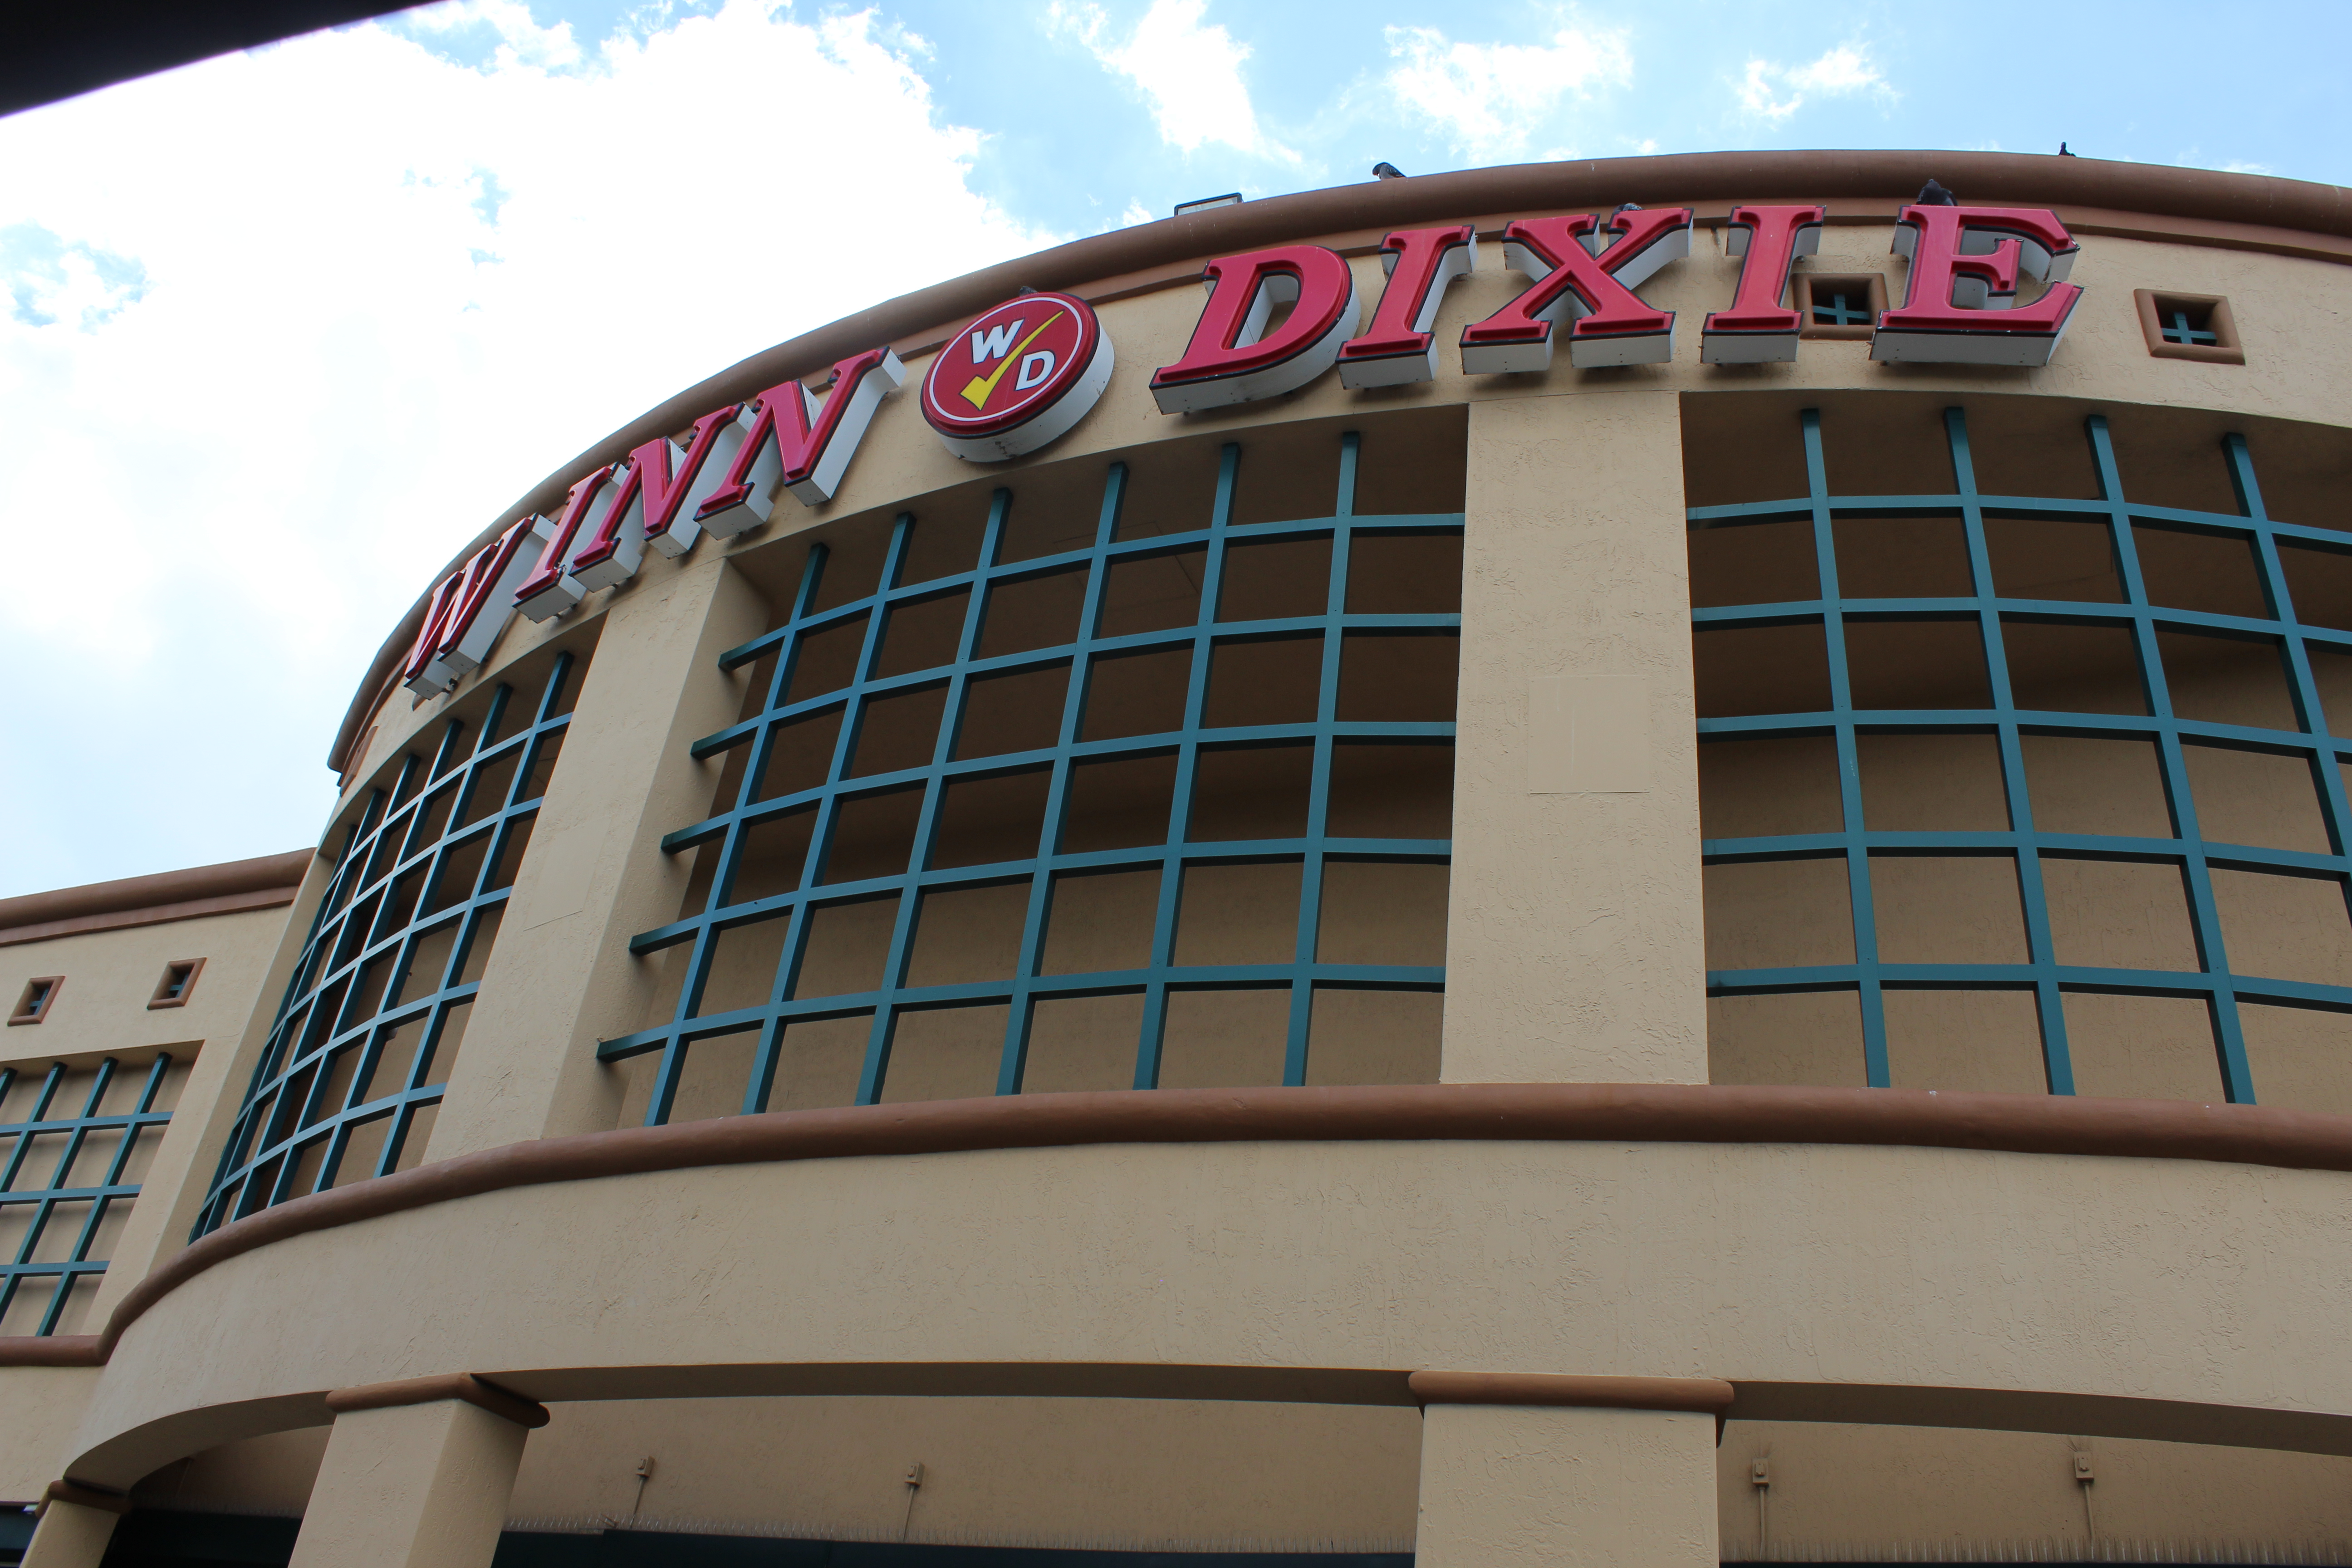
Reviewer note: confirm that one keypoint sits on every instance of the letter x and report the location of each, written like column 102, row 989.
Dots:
column 1598, row 289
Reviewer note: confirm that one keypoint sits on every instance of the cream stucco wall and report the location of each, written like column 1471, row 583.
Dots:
column 110, row 976
column 102, row 1012
column 1777, row 1264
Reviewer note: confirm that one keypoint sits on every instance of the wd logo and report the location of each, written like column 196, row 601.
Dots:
column 1018, row 377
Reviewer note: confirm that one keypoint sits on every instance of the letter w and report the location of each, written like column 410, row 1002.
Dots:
column 996, row 342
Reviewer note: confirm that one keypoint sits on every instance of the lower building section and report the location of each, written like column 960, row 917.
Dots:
column 1111, row 1474
column 883, row 1481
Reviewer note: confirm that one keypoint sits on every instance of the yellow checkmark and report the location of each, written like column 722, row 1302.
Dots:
column 981, row 385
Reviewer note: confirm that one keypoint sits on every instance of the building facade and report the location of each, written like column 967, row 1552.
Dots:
column 1673, row 892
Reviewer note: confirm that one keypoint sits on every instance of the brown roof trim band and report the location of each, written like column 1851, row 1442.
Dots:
column 2202, row 194
column 154, row 915
column 54, row 1349
column 1704, row 1395
column 1553, row 1112
column 480, row 1392
column 145, row 901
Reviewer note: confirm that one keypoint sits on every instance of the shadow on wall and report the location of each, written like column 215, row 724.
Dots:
column 164, row 1540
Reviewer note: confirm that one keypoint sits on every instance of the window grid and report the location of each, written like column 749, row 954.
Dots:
column 2181, row 332
column 731, row 827
column 1838, row 313
column 383, row 902
column 2214, row 982
column 21, row 1272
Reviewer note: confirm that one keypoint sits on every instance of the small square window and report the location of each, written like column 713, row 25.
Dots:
column 179, row 980
column 1844, row 305
column 40, row 992
column 2188, row 326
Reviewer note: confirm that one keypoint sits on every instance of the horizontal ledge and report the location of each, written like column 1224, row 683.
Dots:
column 125, row 1456
column 1704, row 1394
column 970, row 1380
column 1538, row 1112
column 154, row 915
column 2040, row 1410
column 458, row 1385
column 54, row 1350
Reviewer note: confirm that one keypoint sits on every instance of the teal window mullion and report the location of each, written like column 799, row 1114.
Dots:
column 770, row 1050
column 2327, row 773
column 885, row 1028
column 1319, row 795
column 2050, row 1009
column 1037, row 918
column 2205, row 916
column 17, row 1157
column 1168, row 909
column 320, row 1015
column 2327, row 776
column 766, row 1055
column 115, row 1166
column 1849, row 761
column 853, row 714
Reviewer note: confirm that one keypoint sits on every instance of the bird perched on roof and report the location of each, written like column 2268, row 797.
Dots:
column 1932, row 195
column 1387, row 172
column 2063, row 151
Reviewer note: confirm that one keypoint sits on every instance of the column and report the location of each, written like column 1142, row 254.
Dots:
column 1573, row 947
column 1520, row 1470
column 76, row 1521
column 562, row 977
column 416, row 1474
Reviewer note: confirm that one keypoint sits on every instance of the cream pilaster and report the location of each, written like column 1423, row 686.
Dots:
column 72, row 1534
column 1573, row 945
column 562, row 977
column 411, row 1486
column 1508, row 1485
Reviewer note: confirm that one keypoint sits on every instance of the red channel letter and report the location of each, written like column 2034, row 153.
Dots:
column 1771, row 237
column 802, row 430
column 549, row 591
column 1228, row 362
column 1398, row 346
column 445, row 647
column 1514, row 338
column 1942, row 271
column 648, row 481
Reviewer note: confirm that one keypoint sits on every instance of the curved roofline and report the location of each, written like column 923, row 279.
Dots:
column 2161, row 190
column 262, row 882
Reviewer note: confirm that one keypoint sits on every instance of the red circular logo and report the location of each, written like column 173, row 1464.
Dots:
column 1017, row 376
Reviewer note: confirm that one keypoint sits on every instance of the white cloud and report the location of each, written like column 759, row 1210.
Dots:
column 1190, row 72
column 1136, row 213
column 1488, row 100
column 521, row 41
column 281, row 330
column 1772, row 91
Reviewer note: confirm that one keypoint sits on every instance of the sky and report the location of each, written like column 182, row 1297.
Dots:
column 279, row 331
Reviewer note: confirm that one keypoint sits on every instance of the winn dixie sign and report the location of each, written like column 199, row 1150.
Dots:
column 1021, row 375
